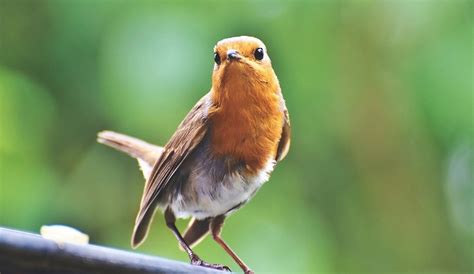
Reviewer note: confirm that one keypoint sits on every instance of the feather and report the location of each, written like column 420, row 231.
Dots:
column 186, row 138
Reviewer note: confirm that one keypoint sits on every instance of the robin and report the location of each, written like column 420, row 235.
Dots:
column 221, row 153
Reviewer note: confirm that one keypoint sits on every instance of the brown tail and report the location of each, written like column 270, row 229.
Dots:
column 146, row 154
column 132, row 146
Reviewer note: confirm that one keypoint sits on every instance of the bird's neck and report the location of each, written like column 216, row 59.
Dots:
column 246, row 122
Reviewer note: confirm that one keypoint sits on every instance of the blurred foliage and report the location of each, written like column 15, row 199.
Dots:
column 379, row 177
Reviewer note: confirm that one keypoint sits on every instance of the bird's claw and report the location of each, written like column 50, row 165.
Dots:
column 195, row 260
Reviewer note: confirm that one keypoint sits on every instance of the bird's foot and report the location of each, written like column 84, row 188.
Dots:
column 249, row 271
column 195, row 260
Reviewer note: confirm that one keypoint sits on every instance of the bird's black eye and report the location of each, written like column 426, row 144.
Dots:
column 217, row 58
column 258, row 54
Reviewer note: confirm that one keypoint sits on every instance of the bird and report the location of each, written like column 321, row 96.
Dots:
column 220, row 155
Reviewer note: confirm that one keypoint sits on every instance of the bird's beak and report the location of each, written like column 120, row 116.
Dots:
column 232, row 54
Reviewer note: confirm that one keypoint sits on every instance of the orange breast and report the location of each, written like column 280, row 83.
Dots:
column 247, row 124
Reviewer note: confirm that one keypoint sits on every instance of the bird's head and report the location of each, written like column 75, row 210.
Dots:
column 241, row 62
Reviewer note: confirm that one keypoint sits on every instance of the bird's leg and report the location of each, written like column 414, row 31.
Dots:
column 216, row 228
column 195, row 260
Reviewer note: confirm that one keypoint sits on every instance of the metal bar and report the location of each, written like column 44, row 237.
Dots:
column 22, row 252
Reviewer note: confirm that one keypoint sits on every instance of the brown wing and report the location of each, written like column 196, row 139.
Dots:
column 188, row 135
column 196, row 231
column 284, row 144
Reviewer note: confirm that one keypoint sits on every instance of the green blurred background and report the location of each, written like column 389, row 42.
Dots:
column 379, row 177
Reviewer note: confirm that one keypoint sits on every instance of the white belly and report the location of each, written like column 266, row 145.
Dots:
column 217, row 198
